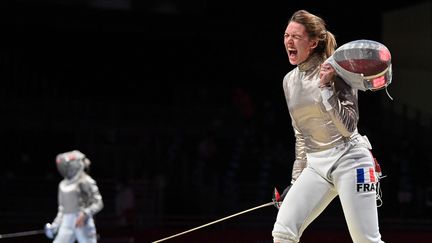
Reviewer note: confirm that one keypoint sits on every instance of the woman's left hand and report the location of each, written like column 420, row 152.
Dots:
column 327, row 72
column 80, row 220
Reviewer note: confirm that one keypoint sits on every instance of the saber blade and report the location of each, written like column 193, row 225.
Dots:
column 216, row 221
column 24, row 233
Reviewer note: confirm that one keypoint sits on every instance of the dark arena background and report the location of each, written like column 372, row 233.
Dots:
column 179, row 105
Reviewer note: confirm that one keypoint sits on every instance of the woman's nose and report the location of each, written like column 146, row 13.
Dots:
column 289, row 40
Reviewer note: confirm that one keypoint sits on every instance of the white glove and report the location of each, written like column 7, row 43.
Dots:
column 50, row 230
column 277, row 198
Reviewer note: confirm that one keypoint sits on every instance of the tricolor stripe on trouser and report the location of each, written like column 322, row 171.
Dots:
column 330, row 173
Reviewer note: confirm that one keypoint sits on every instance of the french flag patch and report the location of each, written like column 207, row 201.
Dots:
column 366, row 175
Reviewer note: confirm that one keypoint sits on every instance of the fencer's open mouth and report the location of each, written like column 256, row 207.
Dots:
column 292, row 53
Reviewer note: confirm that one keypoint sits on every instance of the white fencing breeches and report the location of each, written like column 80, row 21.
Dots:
column 346, row 170
column 69, row 233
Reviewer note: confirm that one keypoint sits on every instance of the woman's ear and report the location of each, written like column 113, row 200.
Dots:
column 314, row 44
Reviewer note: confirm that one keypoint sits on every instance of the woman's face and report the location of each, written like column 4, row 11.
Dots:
column 297, row 43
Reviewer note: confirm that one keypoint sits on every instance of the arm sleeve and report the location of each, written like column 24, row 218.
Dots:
column 341, row 103
column 300, row 149
column 92, row 198
column 57, row 220
column 300, row 155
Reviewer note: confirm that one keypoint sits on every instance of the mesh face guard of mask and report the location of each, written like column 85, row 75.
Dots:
column 363, row 64
column 70, row 163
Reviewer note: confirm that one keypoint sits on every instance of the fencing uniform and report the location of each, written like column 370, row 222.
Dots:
column 77, row 193
column 332, row 158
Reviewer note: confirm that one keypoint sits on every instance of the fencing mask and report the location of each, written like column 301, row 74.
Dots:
column 70, row 163
column 363, row 64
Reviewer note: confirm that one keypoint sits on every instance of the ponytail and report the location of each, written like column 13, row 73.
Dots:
column 330, row 44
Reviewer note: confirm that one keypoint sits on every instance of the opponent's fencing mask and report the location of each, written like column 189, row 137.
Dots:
column 70, row 163
column 363, row 64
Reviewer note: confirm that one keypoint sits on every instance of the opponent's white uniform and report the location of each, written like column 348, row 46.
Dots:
column 332, row 158
column 77, row 194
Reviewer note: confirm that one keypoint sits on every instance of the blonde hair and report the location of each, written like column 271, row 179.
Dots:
column 316, row 29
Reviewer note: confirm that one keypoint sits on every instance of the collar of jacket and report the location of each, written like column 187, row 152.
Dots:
column 311, row 63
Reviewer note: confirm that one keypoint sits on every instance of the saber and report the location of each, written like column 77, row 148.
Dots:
column 24, row 233
column 216, row 221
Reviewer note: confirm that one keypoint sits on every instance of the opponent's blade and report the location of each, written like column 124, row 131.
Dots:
column 20, row 234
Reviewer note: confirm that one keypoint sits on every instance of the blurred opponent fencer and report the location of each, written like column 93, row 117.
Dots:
column 79, row 200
